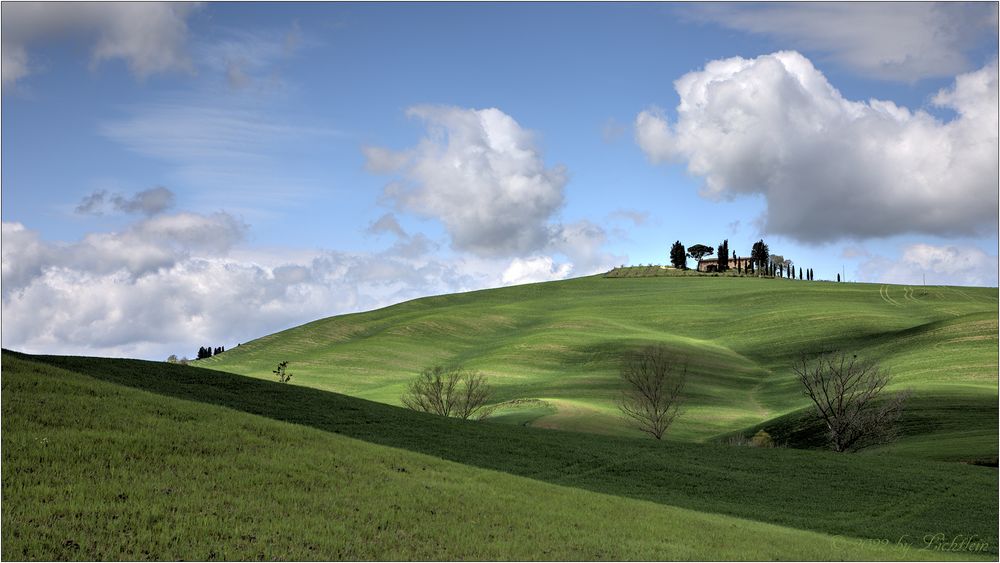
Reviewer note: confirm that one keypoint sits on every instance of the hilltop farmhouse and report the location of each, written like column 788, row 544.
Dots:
column 712, row 264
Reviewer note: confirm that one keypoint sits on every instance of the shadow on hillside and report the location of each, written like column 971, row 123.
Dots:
column 949, row 415
column 780, row 486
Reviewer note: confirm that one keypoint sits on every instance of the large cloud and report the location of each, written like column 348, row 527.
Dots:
column 479, row 173
column 904, row 41
column 170, row 283
column 829, row 167
column 534, row 269
column 143, row 248
column 937, row 265
column 149, row 36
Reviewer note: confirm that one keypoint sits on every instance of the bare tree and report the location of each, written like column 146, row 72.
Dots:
column 450, row 392
column 850, row 398
column 652, row 381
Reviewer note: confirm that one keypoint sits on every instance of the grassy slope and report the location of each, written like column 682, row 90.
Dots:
column 859, row 496
column 97, row 471
column 559, row 342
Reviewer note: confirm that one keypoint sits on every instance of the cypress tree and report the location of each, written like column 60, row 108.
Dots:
column 838, row 278
column 678, row 256
column 759, row 255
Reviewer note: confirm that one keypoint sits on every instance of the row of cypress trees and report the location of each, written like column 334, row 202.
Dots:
column 208, row 351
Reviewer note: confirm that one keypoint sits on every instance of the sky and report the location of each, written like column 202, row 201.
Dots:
column 178, row 175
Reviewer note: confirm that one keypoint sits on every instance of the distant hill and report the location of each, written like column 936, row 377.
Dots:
column 557, row 346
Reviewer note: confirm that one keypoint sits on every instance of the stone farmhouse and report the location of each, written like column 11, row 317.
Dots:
column 712, row 264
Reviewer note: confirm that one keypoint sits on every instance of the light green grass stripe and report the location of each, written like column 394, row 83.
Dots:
column 562, row 340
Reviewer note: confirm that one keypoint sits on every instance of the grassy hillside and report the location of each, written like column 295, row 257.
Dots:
column 555, row 346
column 96, row 471
column 872, row 498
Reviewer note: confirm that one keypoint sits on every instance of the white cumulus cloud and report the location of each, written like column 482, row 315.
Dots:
column 938, row 265
column 534, row 269
column 142, row 249
column 832, row 168
column 170, row 283
column 479, row 172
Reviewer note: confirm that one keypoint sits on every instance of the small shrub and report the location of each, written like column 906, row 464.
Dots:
column 283, row 376
column 762, row 440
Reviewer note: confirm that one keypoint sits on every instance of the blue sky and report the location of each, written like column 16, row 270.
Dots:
column 178, row 175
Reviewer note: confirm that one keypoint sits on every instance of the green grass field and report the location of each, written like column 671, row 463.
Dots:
column 556, row 346
column 126, row 459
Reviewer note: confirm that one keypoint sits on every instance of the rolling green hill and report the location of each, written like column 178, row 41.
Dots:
column 126, row 459
column 554, row 348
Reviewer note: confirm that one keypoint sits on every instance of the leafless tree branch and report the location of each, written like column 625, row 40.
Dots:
column 652, row 381
column 849, row 395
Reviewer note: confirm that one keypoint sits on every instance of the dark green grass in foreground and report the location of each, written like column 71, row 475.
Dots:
column 97, row 471
column 876, row 497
